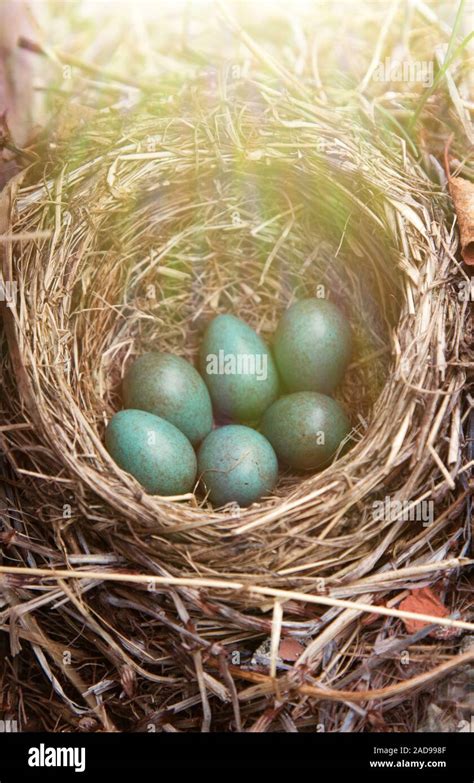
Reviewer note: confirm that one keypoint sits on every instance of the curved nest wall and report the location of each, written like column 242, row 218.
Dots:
column 136, row 234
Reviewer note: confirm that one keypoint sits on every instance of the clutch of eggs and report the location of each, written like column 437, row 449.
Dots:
column 274, row 407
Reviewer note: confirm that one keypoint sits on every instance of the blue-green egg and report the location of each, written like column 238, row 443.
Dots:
column 152, row 450
column 238, row 368
column 237, row 465
column 312, row 346
column 170, row 387
column 305, row 429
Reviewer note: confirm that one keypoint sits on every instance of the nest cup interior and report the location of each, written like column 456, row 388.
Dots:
column 240, row 232
column 158, row 229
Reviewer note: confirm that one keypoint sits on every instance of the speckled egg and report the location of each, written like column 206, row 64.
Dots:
column 152, row 450
column 237, row 464
column 312, row 346
column 238, row 368
column 170, row 387
column 305, row 429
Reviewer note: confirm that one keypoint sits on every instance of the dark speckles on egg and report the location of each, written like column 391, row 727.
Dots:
column 170, row 387
column 238, row 368
column 237, row 464
column 152, row 450
column 305, row 429
column 312, row 346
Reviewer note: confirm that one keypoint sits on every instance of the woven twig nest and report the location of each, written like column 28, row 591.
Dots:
column 139, row 231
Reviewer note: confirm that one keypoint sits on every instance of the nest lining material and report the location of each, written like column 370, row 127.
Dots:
column 146, row 227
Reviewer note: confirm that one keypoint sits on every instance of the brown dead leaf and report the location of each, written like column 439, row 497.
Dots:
column 423, row 601
column 290, row 650
column 462, row 194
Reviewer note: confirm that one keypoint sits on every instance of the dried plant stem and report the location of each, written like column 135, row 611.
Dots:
column 241, row 587
column 268, row 684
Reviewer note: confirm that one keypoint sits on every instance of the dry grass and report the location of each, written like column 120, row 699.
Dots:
column 238, row 195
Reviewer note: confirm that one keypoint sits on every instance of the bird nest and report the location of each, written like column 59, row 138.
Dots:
column 134, row 233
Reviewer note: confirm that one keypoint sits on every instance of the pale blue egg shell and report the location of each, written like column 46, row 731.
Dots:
column 172, row 388
column 152, row 450
column 241, row 396
column 312, row 346
column 237, row 465
column 305, row 429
